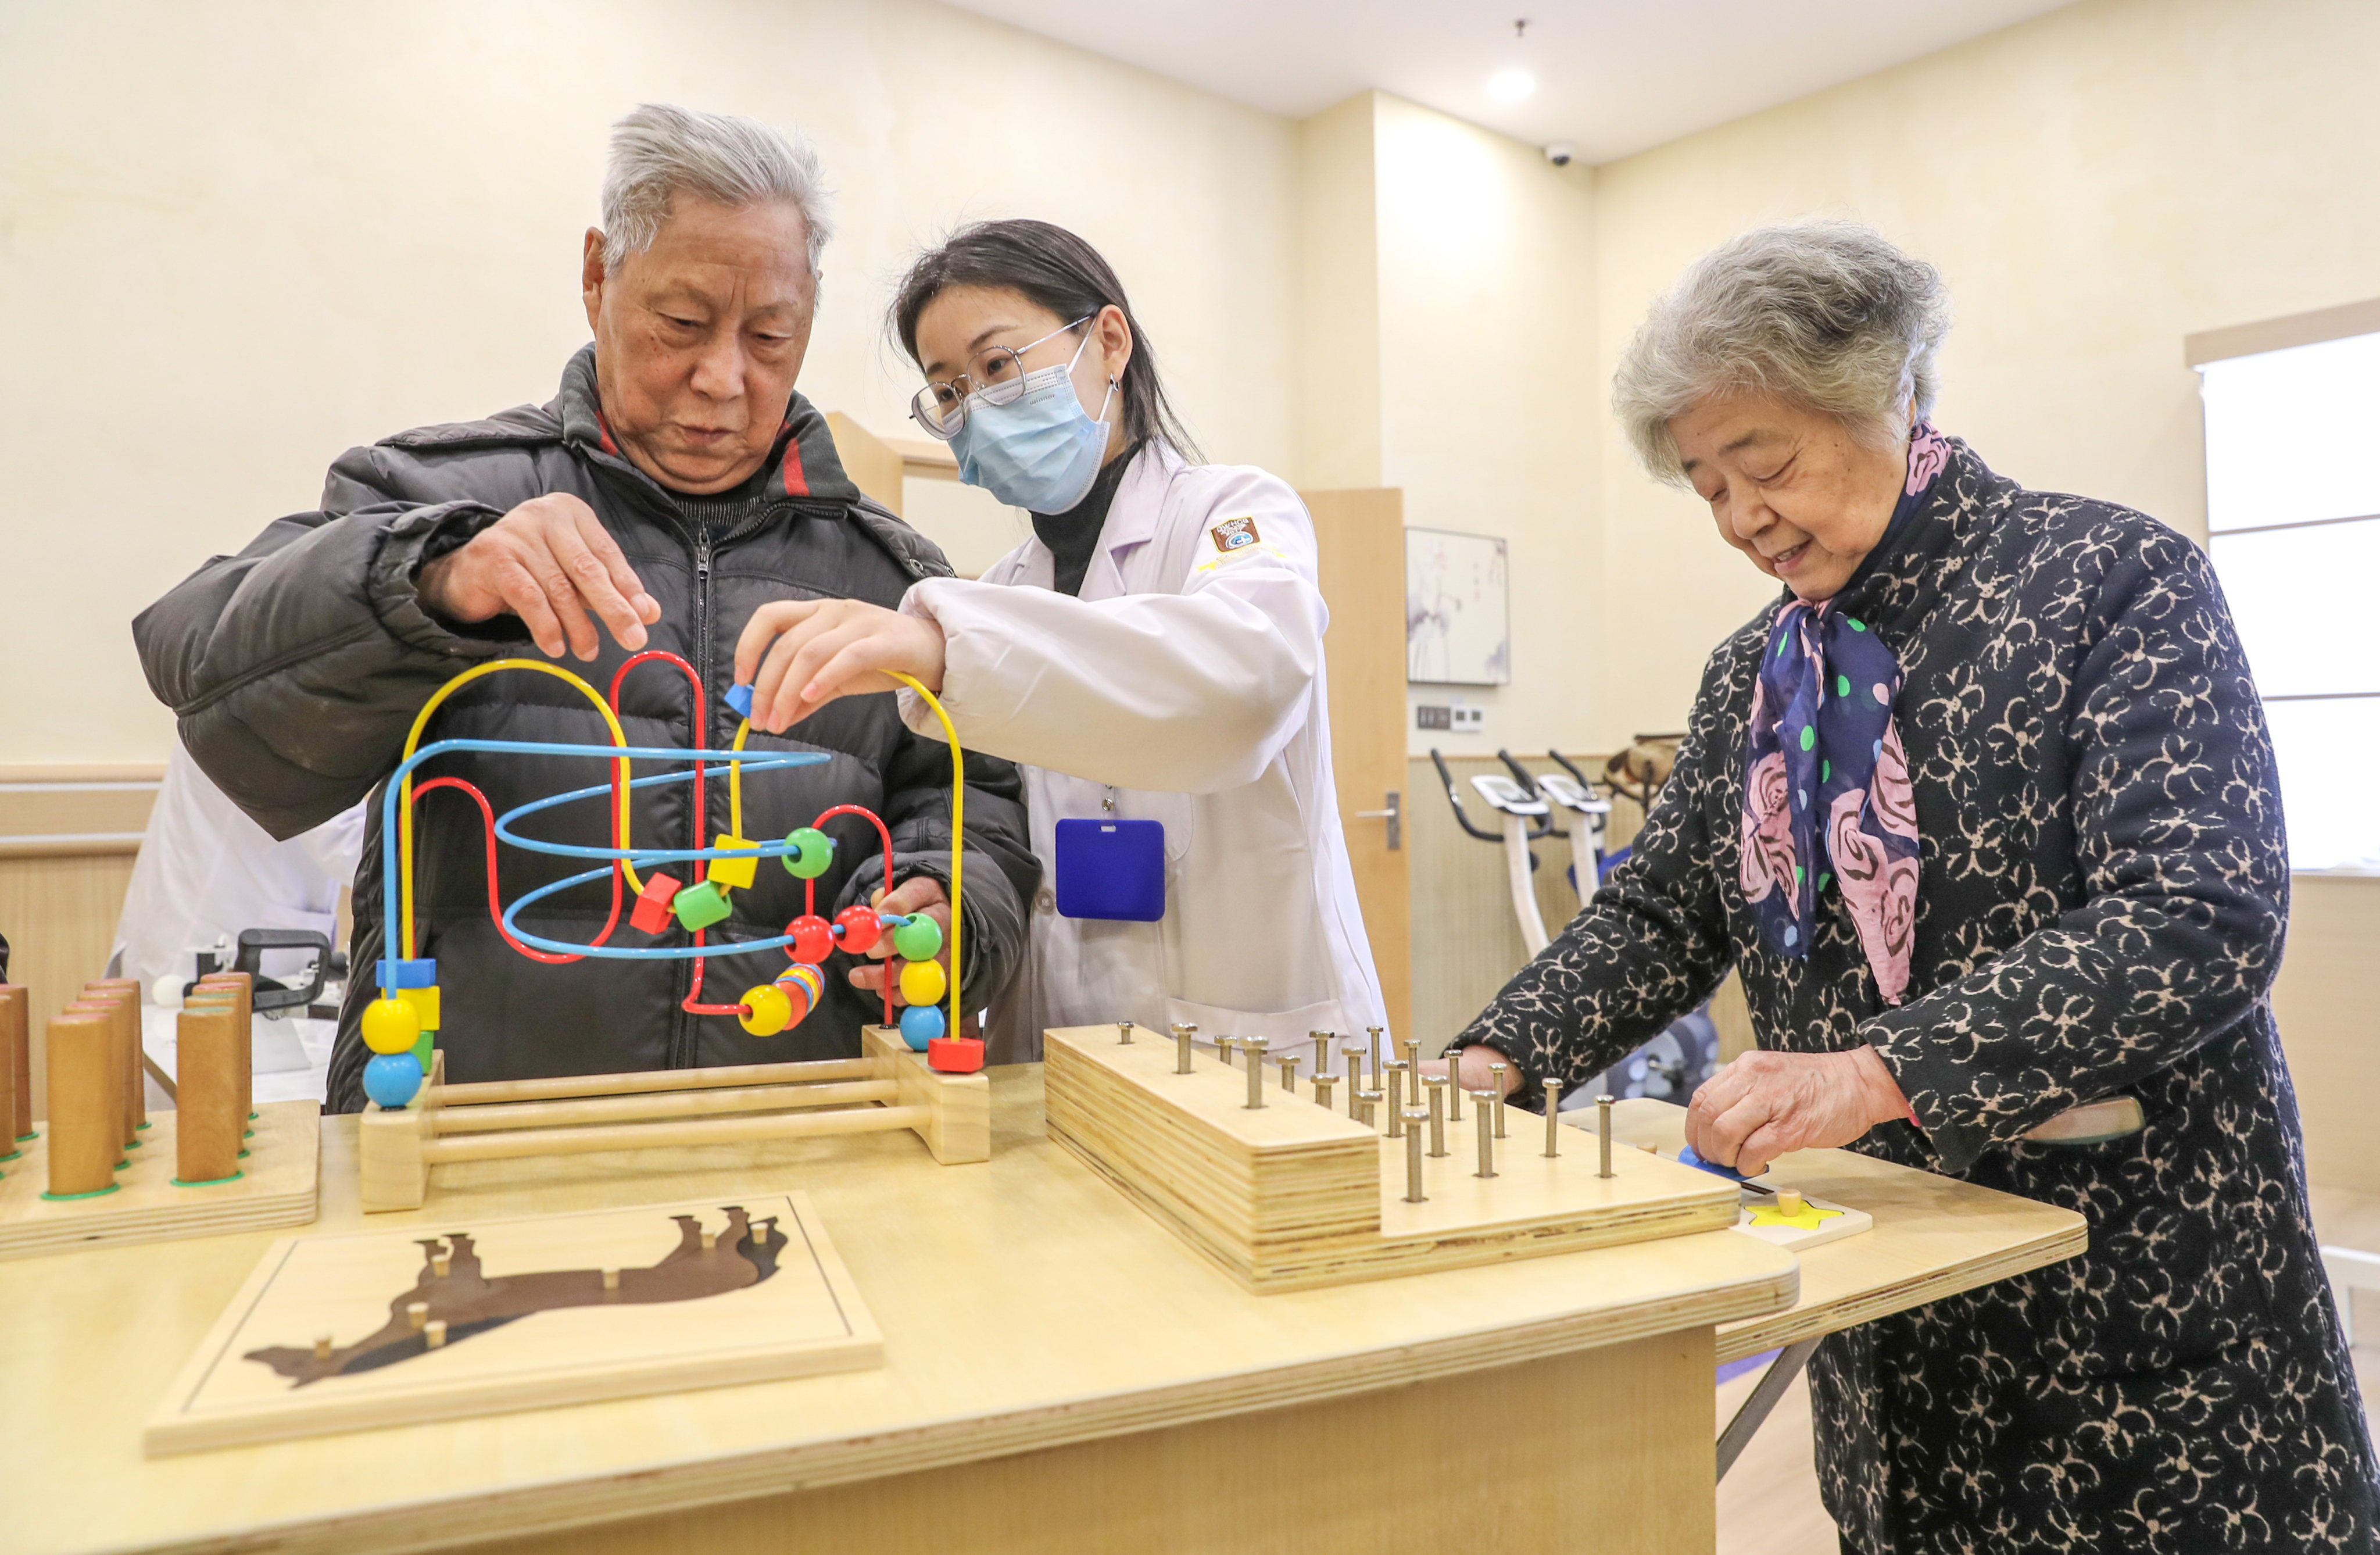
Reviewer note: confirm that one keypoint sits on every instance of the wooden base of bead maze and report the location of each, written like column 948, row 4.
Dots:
column 889, row 1088
column 276, row 1187
column 1293, row 1196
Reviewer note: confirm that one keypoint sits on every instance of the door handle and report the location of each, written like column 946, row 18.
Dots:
column 1394, row 815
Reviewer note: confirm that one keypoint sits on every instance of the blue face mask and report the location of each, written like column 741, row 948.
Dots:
column 1039, row 452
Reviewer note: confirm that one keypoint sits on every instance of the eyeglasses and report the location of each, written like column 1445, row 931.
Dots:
column 995, row 375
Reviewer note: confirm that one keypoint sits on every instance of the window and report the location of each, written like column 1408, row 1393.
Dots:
column 2293, row 525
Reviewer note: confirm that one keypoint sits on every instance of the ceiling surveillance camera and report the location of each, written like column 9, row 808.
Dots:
column 1559, row 152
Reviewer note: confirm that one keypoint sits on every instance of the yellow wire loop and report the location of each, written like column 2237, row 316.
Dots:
column 958, row 832
column 735, row 784
column 413, row 739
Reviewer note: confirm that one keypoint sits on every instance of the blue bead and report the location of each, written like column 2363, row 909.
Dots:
column 920, row 1024
column 740, row 699
column 393, row 1079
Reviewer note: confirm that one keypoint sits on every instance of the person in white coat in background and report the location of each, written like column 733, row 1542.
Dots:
column 1152, row 655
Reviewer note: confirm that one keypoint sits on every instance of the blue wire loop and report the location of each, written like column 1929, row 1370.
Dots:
column 751, row 761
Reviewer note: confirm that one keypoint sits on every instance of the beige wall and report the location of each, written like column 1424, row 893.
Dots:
column 238, row 237
column 2094, row 184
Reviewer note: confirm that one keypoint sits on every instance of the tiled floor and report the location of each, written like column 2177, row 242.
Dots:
column 1768, row 1502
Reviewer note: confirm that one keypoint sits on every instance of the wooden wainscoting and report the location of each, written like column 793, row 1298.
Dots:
column 68, row 835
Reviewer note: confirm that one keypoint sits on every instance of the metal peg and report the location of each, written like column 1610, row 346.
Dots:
column 1603, row 1134
column 1183, row 1035
column 1415, row 1118
column 1254, row 1047
column 1321, row 1041
column 1553, row 1119
column 1124, row 1032
column 1395, row 1070
column 1375, row 1032
column 1495, row 1087
column 1288, row 1062
column 1453, row 1057
column 1437, row 1086
column 1322, row 1084
column 1367, row 1104
column 1411, row 1049
column 1224, row 1046
column 1486, row 1133
column 1355, row 1056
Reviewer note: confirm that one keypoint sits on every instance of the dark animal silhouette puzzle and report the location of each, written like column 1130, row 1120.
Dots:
column 468, row 1302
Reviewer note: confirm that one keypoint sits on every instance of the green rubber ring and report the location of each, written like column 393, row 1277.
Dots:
column 251, row 1117
column 121, row 1165
column 63, row 1197
column 23, row 1138
column 248, row 1134
column 12, row 1155
column 135, row 1144
column 144, row 1124
column 243, row 1155
column 211, row 1182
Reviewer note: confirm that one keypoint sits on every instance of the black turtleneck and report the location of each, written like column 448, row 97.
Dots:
column 1072, row 535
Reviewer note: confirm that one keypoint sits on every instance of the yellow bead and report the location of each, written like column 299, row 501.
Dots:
column 391, row 1026
column 425, row 1005
column 767, row 1011
column 922, row 982
column 736, row 872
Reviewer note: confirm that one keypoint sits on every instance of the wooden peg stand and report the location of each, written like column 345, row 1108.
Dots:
column 889, row 1088
column 1294, row 1196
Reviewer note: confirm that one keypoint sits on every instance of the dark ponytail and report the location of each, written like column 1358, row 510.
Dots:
column 1055, row 270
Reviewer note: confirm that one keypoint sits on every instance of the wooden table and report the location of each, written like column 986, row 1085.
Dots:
column 1062, row 1375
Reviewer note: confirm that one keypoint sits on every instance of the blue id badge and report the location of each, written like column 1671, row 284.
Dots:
column 1112, row 869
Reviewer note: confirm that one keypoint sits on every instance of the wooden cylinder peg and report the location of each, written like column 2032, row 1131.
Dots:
column 321, row 1346
column 1485, row 1131
column 1790, row 1202
column 441, row 1265
column 1553, row 1119
column 208, row 1122
column 434, row 1332
column 243, row 993
column 416, row 1315
column 1254, row 1047
column 1415, row 1118
column 111, row 1011
column 611, row 1279
column 710, row 1238
column 86, row 1104
column 136, row 1074
column 17, row 1054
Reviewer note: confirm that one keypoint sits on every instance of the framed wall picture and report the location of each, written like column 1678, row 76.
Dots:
column 1458, row 609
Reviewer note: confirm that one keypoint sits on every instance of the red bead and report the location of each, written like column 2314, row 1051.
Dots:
column 651, row 912
column 813, row 937
column 861, row 929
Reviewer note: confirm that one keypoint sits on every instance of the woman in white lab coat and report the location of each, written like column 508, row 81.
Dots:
column 1154, row 653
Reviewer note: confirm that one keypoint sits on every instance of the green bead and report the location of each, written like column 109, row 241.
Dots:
column 1809, row 736
column 920, row 938
column 699, row 907
column 813, row 853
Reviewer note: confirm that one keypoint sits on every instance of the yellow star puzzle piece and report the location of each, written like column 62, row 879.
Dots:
column 1792, row 1210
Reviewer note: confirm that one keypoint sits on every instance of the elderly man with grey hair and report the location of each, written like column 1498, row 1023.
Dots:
column 675, row 484
column 1982, row 809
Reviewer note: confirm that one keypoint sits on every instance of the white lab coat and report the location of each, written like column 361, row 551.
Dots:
column 206, row 871
column 1190, row 678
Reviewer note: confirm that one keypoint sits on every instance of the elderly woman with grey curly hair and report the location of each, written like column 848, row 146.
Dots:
column 1982, row 810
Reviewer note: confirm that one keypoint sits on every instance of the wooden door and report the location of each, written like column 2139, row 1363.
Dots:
column 1361, row 537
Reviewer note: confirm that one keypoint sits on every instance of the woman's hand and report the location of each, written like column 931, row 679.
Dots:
column 1764, row 1104
column 826, row 648
column 918, row 895
column 1475, row 1074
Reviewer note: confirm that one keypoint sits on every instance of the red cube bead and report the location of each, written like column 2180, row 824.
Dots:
column 651, row 912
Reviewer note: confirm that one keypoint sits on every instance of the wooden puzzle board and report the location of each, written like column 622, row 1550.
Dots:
column 1293, row 1197
column 276, row 1188
column 1835, row 1222
column 679, row 1315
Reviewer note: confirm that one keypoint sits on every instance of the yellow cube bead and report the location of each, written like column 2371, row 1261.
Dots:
column 425, row 1005
column 736, row 872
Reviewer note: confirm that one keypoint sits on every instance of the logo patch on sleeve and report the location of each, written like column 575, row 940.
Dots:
column 1234, row 533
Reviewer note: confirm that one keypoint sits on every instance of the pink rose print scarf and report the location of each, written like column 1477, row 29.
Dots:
column 1826, row 786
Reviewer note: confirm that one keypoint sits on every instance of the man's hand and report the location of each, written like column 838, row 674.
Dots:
column 826, row 648
column 918, row 895
column 551, row 562
column 1474, row 1074
column 1764, row 1104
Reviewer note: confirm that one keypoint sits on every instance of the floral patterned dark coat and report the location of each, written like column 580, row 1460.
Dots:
column 2102, row 897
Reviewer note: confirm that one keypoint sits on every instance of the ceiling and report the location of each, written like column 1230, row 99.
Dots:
column 1612, row 76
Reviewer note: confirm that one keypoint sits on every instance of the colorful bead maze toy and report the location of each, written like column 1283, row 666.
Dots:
column 915, row 1072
